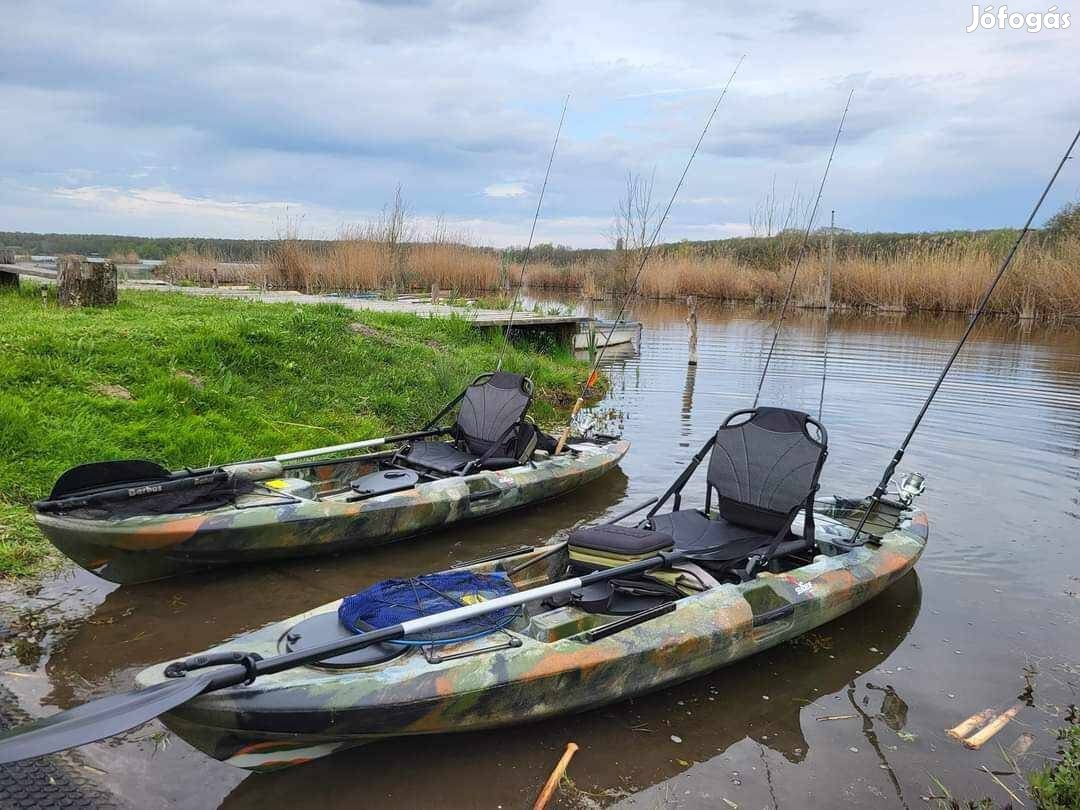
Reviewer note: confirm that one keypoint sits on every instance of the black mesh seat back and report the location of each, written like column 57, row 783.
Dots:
column 765, row 467
column 489, row 409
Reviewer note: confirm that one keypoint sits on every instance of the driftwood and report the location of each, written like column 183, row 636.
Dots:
column 979, row 739
column 969, row 725
column 553, row 780
column 85, row 283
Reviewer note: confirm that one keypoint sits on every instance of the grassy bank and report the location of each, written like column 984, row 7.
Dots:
column 189, row 382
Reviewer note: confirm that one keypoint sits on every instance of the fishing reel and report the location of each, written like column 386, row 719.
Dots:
column 910, row 487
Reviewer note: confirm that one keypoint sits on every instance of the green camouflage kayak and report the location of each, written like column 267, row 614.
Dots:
column 552, row 659
column 310, row 508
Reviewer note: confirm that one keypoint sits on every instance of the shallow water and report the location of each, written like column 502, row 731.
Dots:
column 854, row 714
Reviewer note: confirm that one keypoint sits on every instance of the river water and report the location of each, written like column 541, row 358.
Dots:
column 853, row 715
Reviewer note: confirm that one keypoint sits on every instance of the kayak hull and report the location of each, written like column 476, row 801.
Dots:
column 263, row 525
column 554, row 668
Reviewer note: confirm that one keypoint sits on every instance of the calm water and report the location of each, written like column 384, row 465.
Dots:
column 852, row 715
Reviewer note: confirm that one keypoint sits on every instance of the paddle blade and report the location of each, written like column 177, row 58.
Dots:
column 97, row 719
column 106, row 473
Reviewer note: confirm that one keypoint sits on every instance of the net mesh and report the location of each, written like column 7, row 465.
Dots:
column 394, row 601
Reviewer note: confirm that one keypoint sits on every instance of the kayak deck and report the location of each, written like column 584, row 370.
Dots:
column 551, row 660
column 313, row 509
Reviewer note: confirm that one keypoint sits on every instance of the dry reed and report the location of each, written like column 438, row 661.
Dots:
column 934, row 277
column 1045, row 281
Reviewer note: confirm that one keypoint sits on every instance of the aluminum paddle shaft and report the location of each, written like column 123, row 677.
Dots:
column 890, row 468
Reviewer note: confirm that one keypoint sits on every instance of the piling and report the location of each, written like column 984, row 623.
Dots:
column 82, row 282
column 691, row 324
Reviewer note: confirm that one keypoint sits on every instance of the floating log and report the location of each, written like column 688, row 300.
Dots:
column 82, row 282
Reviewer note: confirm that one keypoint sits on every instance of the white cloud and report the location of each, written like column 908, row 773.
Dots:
column 210, row 118
column 505, row 190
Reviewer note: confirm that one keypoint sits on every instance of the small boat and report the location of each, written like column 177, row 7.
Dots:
column 598, row 331
column 134, row 521
column 694, row 604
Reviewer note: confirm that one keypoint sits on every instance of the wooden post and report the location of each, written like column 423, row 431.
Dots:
column 7, row 277
column 691, row 323
column 434, row 295
column 85, row 283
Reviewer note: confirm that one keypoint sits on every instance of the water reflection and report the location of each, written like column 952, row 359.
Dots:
column 688, row 400
column 626, row 747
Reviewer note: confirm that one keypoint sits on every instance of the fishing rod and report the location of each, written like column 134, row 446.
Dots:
column 890, row 468
column 532, row 232
column 802, row 252
column 594, row 373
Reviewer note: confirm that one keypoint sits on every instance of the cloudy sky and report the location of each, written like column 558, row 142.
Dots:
column 232, row 118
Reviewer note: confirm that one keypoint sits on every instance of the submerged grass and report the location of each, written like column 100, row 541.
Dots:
column 187, row 381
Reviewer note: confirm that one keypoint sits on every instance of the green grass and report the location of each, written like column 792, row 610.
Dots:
column 213, row 381
column 1058, row 786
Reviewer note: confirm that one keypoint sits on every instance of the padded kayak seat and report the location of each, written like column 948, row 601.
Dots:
column 715, row 540
column 446, row 458
column 490, row 432
column 762, row 471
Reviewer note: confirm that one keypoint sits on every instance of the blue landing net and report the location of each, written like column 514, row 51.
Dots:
column 394, row 601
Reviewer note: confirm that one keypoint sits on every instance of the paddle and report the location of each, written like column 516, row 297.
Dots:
column 112, row 715
column 258, row 469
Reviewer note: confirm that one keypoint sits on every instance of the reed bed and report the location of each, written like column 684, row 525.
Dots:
column 1044, row 282
column 933, row 276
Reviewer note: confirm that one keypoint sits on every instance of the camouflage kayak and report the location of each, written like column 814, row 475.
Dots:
column 551, row 660
column 311, row 508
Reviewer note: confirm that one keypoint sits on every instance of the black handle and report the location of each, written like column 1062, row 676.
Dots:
column 774, row 615
column 177, row 669
column 605, row 630
column 486, row 493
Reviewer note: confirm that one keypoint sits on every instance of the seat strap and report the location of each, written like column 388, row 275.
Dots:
column 496, row 445
column 758, row 561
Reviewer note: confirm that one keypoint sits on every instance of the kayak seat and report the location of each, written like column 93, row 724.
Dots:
column 439, row 456
column 762, row 470
column 692, row 531
column 444, row 457
column 490, row 432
